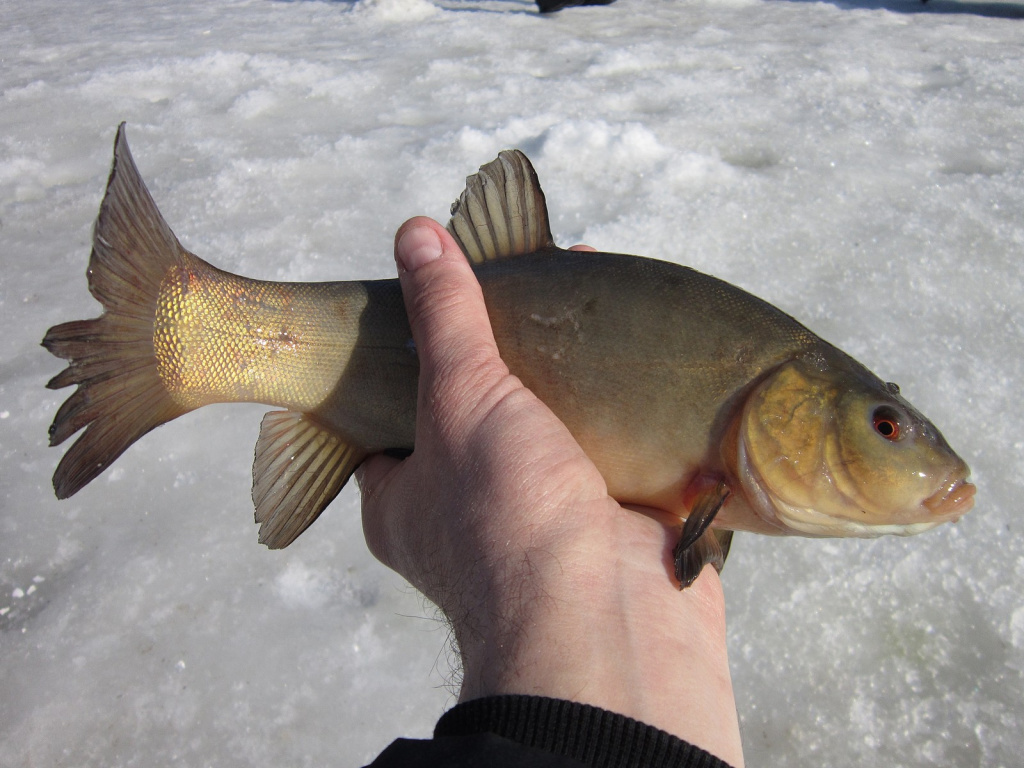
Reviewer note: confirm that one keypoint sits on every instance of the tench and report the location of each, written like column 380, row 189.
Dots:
column 689, row 394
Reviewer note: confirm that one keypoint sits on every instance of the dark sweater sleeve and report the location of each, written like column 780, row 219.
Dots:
column 521, row 731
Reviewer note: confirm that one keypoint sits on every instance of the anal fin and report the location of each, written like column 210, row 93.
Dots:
column 300, row 467
column 699, row 544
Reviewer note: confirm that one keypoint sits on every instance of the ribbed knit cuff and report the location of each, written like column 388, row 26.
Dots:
column 591, row 735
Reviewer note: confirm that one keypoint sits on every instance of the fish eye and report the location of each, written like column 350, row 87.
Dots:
column 886, row 421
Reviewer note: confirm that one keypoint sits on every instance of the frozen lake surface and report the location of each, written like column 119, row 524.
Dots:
column 859, row 164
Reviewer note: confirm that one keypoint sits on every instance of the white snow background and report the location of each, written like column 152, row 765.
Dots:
column 859, row 164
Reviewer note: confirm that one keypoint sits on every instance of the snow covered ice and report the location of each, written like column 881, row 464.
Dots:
column 859, row 164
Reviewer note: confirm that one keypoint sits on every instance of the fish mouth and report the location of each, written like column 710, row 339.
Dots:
column 953, row 499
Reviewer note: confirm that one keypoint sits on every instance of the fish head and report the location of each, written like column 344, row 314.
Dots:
column 830, row 450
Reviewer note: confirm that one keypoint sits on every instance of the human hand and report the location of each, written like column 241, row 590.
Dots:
column 551, row 587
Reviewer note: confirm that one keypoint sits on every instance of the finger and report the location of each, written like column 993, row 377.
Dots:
column 442, row 296
column 454, row 343
column 373, row 476
column 587, row 248
column 458, row 357
column 371, row 473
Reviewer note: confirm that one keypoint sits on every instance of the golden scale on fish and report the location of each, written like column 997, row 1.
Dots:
column 689, row 394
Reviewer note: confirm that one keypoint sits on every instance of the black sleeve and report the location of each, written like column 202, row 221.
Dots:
column 522, row 731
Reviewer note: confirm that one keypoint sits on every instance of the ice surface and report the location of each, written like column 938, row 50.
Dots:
column 861, row 164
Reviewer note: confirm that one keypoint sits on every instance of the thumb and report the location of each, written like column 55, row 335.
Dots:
column 459, row 360
column 459, row 364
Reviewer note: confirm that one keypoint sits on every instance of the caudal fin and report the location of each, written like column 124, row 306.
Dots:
column 120, row 396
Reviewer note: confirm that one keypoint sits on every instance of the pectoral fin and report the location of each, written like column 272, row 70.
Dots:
column 711, row 548
column 699, row 544
column 299, row 468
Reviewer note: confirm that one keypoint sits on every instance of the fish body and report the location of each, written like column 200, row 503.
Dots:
column 689, row 394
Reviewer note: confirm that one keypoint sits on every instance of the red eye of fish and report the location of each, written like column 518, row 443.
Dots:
column 886, row 423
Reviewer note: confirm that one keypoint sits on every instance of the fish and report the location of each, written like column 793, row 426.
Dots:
column 690, row 395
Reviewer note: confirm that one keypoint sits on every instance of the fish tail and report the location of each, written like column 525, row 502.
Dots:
column 111, row 358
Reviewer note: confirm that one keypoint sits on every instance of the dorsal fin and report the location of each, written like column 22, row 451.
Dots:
column 502, row 212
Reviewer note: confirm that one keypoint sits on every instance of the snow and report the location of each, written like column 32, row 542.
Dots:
column 860, row 164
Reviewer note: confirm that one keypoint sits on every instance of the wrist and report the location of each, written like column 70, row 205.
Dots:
column 608, row 627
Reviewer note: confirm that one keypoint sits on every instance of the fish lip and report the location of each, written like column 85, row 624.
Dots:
column 953, row 499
